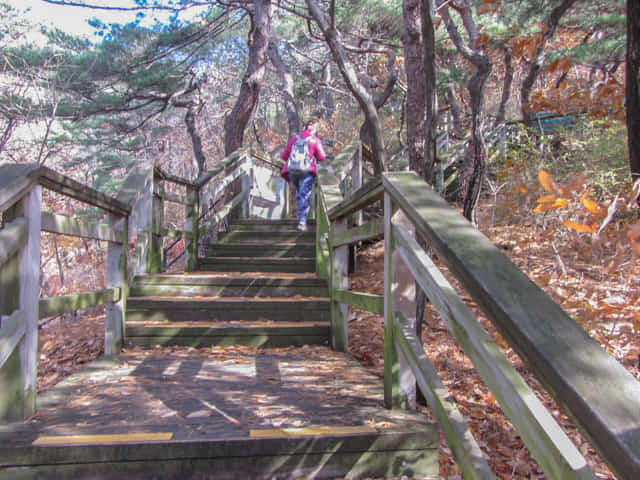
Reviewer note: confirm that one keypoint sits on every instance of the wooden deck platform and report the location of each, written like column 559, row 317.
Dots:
column 235, row 412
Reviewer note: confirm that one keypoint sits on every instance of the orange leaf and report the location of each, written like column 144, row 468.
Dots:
column 547, row 199
column 591, row 206
column 547, row 181
column 580, row 227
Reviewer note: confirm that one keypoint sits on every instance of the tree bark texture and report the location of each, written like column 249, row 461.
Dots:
column 290, row 106
column 506, row 87
column 633, row 86
column 366, row 132
column 236, row 122
column 350, row 76
column 540, row 56
column 431, row 94
column 416, row 96
column 196, row 140
column 477, row 166
column 326, row 102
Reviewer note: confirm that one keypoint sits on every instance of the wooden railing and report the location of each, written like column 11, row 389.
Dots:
column 596, row 392
column 20, row 203
column 135, row 217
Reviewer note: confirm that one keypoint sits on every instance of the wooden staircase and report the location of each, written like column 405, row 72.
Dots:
column 255, row 287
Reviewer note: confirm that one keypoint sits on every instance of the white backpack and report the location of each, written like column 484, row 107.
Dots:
column 299, row 160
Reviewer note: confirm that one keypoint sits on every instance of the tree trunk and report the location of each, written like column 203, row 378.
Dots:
column 431, row 93
column 290, row 106
column 366, row 132
column 236, row 122
column 452, row 100
column 633, row 86
column 326, row 102
column 196, row 141
column 416, row 96
column 477, row 149
column 360, row 93
column 506, row 87
column 539, row 57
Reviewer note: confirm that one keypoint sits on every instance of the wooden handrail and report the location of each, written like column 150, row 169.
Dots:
column 555, row 348
column 159, row 173
column 71, row 188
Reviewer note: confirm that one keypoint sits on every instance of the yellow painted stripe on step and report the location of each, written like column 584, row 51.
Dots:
column 52, row 440
column 306, row 431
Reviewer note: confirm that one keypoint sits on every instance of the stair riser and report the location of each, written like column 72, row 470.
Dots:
column 254, row 251
column 160, row 314
column 267, row 237
column 247, row 341
column 257, row 265
column 228, row 291
column 256, row 227
column 322, row 457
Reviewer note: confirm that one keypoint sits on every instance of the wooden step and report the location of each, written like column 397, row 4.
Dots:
column 210, row 284
column 225, row 309
column 276, row 250
column 269, row 225
column 352, row 452
column 224, row 334
column 267, row 237
column 268, row 264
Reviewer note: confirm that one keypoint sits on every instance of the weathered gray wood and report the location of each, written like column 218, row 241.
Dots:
column 155, row 258
column 551, row 447
column 339, row 281
column 364, row 301
column 218, row 186
column 12, row 329
column 222, row 214
column 209, row 174
column 356, row 181
column 245, row 182
column 392, row 394
column 175, row 198
column 192, row 215
column 115, row 312
column 69, row 187
column 263, row 157
column 469, row 457
column 15, row 181
column 66, row 225
column 368, row 231
column 403, row 299
column 365, row 196
column 329, row 186
column 29, row 286
column 161, row 174
column 12, row 238
column 573, row 367
column 343, row 161
column 51, row 306
column 176, row 233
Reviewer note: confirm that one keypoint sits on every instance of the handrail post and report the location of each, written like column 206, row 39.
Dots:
column 245, row 183
column 20, row 283
column 399, row 295
column 192, row 214
column 155, row 258
column 339, row 281
column 115, row 312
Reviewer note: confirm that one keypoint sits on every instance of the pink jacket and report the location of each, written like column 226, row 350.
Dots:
column 316, row 150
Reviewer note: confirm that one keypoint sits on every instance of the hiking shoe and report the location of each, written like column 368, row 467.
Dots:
column 302, row 226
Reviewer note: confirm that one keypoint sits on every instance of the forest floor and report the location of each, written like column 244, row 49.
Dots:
column 599, row 291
